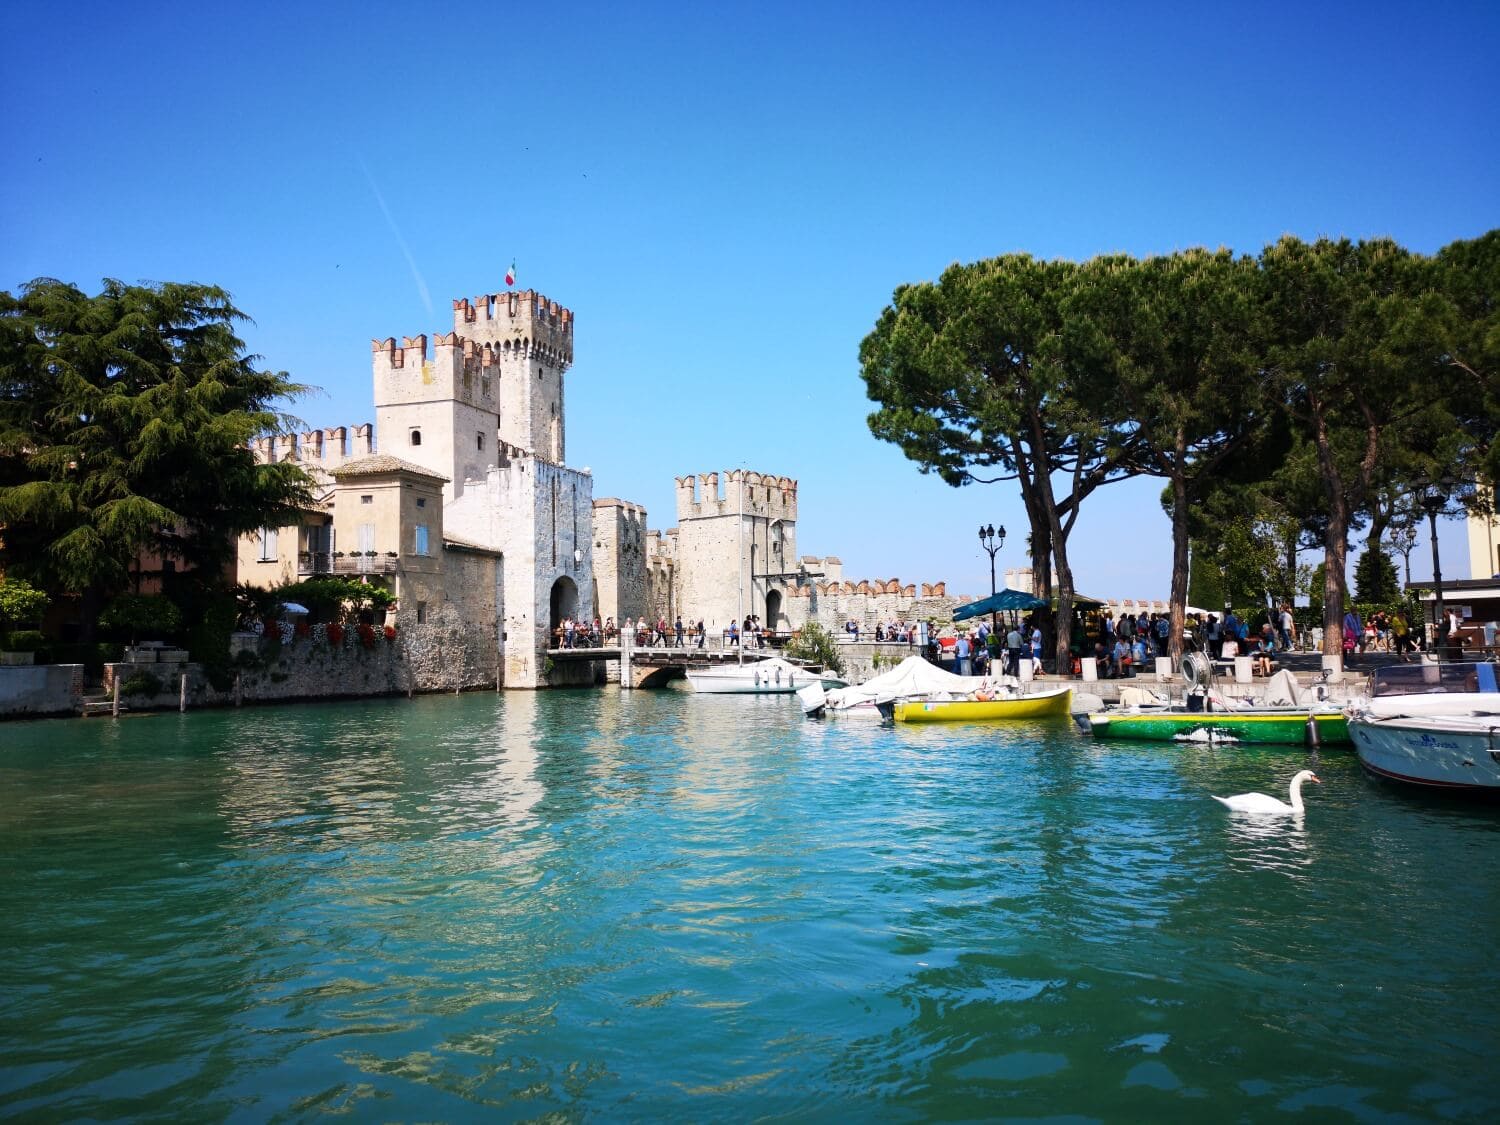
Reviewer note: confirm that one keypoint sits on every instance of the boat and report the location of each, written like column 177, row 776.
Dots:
column 1434, row 725
column 1285, row 715
column 913, row 678
column 1017, row 705
column 760, row 677
column 1287, row 726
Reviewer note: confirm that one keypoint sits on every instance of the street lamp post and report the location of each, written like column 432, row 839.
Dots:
column 1434, row 500
column 992, row 540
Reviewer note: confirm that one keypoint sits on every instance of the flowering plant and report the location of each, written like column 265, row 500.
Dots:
column 335, row 634
column 390, row 633
column 303, row 629
column 366, row 634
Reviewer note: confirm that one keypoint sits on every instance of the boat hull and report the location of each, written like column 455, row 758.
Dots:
column 1431, row 752
column 771, row 677
column 1038, row 706
column 1285, row 728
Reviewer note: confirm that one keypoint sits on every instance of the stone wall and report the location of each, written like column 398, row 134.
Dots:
column 31, row 691
column 834, row 604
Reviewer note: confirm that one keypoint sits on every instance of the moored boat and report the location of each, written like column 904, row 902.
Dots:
column 1286, row 715
column 1269, row 725
column 761, row 677
column 1035, row 705
column 1434, row 725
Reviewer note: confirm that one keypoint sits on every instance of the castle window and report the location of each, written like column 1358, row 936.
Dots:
column 421, row 613
column 421, row 501
column 484, row 386
column 416, row 437
column 479, row 438
column 421, row 539
column 367, row 499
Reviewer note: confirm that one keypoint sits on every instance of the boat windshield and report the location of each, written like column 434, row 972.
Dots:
column 1428, row 679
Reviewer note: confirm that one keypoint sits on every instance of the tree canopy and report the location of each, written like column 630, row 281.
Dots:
column 125, row 419
column 1286, row 400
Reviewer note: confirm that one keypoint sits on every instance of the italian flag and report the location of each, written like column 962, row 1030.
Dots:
column 510, row 274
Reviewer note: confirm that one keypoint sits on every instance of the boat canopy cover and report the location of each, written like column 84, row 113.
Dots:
column 912, row 677
column 1005, row 599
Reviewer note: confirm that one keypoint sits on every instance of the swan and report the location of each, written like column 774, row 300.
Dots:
column 1260, row 803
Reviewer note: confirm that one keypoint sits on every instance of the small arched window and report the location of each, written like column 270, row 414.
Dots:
column 416, row 437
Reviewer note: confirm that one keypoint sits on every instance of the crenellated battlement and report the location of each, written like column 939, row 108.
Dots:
column 324, row 449
column 532, row 325
column 740, row 492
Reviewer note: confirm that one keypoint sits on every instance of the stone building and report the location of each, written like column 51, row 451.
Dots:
column 467, row 510
column 733, row 554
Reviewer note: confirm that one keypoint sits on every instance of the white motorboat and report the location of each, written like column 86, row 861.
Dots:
column 760, row 677
column 1436, row 725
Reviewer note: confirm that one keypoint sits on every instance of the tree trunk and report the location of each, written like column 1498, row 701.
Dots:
column 1178, row 606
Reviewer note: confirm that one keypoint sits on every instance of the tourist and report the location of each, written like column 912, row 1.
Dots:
column 678, row 631
column 702, row 633
column 1288, row 627
column 1163, row 628
column 1013, row 642
column 1036, row 648
column 1120, row 658
column 1355, row 626
column 1401, row 630
column 1264, row 649
column 733, row 634
column 961, row 654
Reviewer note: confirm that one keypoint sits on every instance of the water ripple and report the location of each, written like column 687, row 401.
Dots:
column 640, row 905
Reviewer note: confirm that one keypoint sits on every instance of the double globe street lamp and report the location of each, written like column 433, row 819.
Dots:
column 992, row 540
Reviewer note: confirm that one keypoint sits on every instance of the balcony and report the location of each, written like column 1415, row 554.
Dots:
column 357, row 562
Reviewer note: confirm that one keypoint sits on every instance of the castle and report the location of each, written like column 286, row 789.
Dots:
column 466, row 510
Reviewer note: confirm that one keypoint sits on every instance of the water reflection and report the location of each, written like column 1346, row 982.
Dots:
column 563, row 904
column 1275, row 843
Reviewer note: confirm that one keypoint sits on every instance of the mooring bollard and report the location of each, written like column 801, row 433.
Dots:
column 114, row 710
column 182, row 695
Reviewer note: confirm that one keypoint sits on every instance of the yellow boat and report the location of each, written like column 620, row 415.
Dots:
column 1037, row 705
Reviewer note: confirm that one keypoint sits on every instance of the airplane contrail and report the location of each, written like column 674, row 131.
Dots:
column 395, row 230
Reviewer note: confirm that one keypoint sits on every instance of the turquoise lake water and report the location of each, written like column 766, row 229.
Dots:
column 644, row 906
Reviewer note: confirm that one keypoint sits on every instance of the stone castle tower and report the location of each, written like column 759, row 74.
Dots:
column 620, row 548
column 484, row 410
column 733, row 538
column 496, row 380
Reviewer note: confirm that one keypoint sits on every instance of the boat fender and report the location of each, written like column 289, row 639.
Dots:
column 778, row 676
column 1314, row 739
column 757, row 679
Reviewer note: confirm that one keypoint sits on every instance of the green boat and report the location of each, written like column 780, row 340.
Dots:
column 1287, row 726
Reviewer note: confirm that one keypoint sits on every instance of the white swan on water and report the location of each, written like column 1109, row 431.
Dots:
column 1261, row 803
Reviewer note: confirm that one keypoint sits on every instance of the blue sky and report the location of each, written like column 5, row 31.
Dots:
column 726, row 195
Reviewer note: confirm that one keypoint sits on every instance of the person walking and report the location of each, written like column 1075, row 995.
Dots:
column 677, row 630
column 1288, row 628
